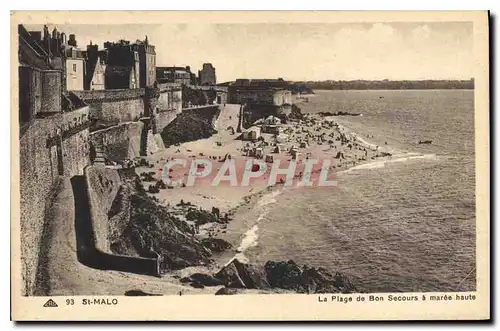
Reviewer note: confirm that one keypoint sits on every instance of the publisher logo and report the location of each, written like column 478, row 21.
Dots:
column 50, row 303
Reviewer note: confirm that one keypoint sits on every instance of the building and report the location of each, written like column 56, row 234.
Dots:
column 136, row 60
column 42, row 78
column 75, row 67
column 40, row 83
column 177, row 75
column 261, row 99
column 266, row 82
column 95, row 68
column 120, row 77
column 206, row 76
column 65, row 56
column 259, row 95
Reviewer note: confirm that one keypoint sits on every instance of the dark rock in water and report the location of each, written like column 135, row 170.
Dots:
column 241, row 275
column 197, row 285
column 136, row 293
column 230, row 277
column 216, row 244
column 226, row 291
column 285, row 275
column 206, row 280
column 324, row 282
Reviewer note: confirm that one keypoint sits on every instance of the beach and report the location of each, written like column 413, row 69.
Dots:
column 314, row 137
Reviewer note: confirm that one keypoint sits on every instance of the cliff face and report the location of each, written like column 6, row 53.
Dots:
column 139, row 226
column 127, row 222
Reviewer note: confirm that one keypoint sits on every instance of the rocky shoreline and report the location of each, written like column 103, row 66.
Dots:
column 202, row 237
column 168, row 232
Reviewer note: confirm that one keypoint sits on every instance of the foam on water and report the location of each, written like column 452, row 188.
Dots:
column 269, row 198
column 382, row 163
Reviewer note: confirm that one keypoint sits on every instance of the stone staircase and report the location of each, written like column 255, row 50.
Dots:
column 100, row 156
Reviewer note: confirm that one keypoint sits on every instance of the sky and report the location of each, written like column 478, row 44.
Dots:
column 301, row 51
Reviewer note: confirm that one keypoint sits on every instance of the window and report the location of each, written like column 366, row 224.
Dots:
column 74, row 67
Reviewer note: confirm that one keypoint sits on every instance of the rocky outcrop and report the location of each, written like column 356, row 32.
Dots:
column 226, row 291
column 138, row 293
column 151, row 228
column 202, row 279
column 216, row 244
column 283, row 275
column 241, row 275
column 191, row 125
column 289, row 276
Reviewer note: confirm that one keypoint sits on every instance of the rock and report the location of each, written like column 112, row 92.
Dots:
column 282, row 275
column 134, row 293
column 325, row 282
column 197, row 285
column 285, row 275
column 205, row 280
column 216, row 245
column 226, row 291
column 230, row 277
column 241, row 275
column 185, row 280
column 289, row 276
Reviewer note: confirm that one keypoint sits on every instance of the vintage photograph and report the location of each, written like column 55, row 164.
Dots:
column 206, row 158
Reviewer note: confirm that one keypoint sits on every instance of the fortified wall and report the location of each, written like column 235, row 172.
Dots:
column 119, row 142
column 127, row 123
column 53, row 146
column 110, row 107
column 102, row 186
column 169, row 106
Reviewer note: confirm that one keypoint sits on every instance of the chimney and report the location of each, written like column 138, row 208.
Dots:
column 72, row 40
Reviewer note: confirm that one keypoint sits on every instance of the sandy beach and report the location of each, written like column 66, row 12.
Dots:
column 313, row 137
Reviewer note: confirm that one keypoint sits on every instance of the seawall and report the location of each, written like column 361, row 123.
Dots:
column 50, row 147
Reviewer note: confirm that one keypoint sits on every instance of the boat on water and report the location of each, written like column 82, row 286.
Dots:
column 425, row 142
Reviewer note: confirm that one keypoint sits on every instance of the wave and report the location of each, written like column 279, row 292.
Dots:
column 250, row 238
column 382, row 163
column 269, row 198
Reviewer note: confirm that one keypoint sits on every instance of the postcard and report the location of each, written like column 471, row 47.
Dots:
column 250, row 166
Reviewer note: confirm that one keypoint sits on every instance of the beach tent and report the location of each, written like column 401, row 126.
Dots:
column 259, row 152
column 269, row 158
column 272, row 120
column 252, row 133
column 281, row 138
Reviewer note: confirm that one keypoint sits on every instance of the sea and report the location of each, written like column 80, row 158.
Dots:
column 407, row 225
